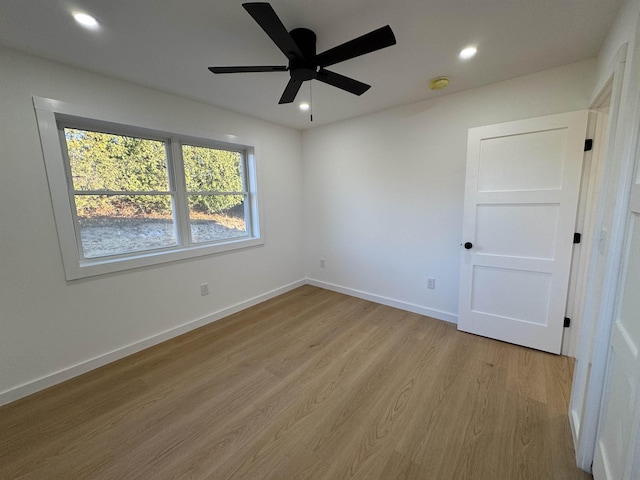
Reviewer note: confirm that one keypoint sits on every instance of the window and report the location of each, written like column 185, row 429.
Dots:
column 127, row 196
column 214, row 180
column 121, row 194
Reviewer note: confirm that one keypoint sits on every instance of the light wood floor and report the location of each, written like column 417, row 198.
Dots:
column 309, row 385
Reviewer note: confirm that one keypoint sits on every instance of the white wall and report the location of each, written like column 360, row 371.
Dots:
column 48, row 325
column 622, row 31
column 384, row 192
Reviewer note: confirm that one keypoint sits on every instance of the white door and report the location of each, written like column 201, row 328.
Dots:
column 521, row 197
column 617, row 455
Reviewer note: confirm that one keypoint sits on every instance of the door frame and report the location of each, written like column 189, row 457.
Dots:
column 587, row 285
column 613, row 208
column 590, row 186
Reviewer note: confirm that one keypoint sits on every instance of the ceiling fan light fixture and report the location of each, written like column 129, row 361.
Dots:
column 86, row 20
column 468, row 52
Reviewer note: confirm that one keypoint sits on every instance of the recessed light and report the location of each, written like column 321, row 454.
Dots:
column 468, row 52
column 85, row 20
column 304, row 106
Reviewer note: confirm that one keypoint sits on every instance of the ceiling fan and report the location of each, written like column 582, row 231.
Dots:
column 299, row 46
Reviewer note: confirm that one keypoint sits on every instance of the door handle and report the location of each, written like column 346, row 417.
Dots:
column 468, row 245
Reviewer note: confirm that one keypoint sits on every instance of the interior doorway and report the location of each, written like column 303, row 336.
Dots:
column 589, row 274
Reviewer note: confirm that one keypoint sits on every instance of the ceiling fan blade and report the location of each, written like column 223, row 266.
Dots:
column 369, row 42
column 290, row 91
column 267, row 18
column 342, row 82
column 265, row 68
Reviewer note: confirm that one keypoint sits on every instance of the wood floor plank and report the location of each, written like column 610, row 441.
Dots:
column 399, row 467
column 309, row 385
column 374, row 430
column 377, row 368
column 558, row 373
column 527, row 374
column 310, row 407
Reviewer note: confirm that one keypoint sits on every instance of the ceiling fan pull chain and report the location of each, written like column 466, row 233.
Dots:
column 310, row 101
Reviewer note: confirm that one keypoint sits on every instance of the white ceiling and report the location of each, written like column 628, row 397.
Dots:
column 168, row 45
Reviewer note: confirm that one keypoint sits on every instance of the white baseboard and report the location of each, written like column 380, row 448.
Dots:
column 410, row 307
column 67, row 373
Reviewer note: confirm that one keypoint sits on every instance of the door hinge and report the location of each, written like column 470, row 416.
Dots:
column 588, row 145
column 577, row 237
column 567, row 322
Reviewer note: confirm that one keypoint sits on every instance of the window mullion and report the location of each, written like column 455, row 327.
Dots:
column 214, row 193
column 180, row 189
column 123, row 192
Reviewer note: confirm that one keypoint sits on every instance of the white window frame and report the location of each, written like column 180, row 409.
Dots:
column 50, row 113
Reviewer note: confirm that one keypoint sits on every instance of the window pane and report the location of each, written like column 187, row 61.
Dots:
column 212, row 170
column 216, row 217
column 103, row 161
column 117, row 224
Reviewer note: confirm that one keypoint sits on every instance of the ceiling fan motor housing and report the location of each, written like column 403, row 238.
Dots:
column 303, row 69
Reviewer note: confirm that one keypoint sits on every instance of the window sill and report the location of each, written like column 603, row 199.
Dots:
column 102, row 266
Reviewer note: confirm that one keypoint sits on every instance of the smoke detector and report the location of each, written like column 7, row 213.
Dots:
column 439, row 83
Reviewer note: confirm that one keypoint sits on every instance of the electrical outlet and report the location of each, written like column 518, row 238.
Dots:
column 431, row 283
column 322, row 263
column 204, row 289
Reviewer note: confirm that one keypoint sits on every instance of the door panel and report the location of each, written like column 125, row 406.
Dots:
column 537, row 163
column 619, row 427
column 517, row 230
column 521, row 199
column 631, row 304
column 511, row 294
